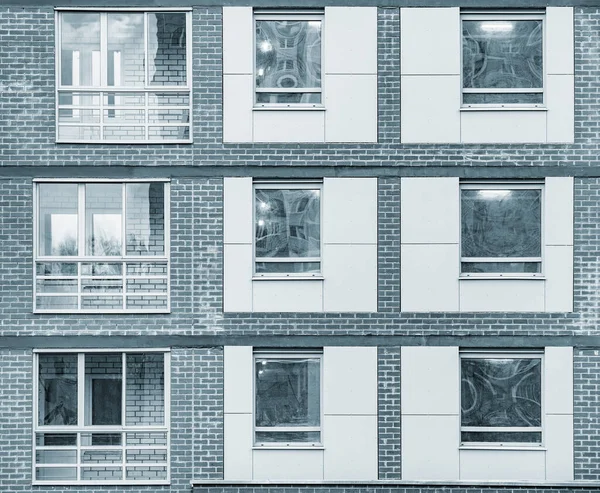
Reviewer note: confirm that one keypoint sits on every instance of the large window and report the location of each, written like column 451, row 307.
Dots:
column 102, row 247
column 287, row 398
column 503, row 60
column 501, row 396
column 123, row 76
column 501, row 229
column 288, row 58
column 287, row 221
column 101, row 417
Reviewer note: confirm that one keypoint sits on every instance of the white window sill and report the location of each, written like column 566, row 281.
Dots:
column 99, row 482
column 496, row 277
column 288, row 447
column 538, row 448
column 101, row 312
column 317, row 277
column 127, row 142
column 290, row 107
column 503, row 108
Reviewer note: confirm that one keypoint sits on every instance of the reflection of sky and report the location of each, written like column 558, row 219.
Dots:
column 63, row 228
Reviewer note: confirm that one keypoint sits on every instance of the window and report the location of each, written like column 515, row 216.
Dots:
column 287, row 221
column 123, row 76
column 502, row 59
column 288, row 58
column 501, row 395
column 501, row 229
column 102, row 247
column 101, row 417
column 287, row 398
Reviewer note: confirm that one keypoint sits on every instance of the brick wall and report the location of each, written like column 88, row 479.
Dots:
column 389, row 426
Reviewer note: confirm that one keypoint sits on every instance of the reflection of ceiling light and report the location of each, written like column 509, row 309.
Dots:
column 261, row 223
column 261, row 72
column 494, row 194
column 264, row 205
column 260, row 372
column 315, row 24
column 497, row 27
column 265, row 46
column 263, row 363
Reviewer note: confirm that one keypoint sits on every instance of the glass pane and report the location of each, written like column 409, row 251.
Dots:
column 55, row 473
column 123, row 132
column 501, row 392
column 80, row 49
column 90, row 286
column 147, row 269
column 79, row 98
column 70, row 133
column 145, row 393
column 288, row 392
column 288, row 223
column 501, row 437
column 147, row 302
column 167, row 49
column 501, row 223
column 56, row 439
column 500, row 267
column 502, row 53
column 505, row 98
column 288, row 436
column 178, row 132
column 153, row 473
column 126, row 117
column 57, row 392
column 169, row 99
column 125, row 50
column 124, row 99
column 103, row 389
column 146, row 456
column 78, row 116
column 56, row 269
column 102, row 269
column 56, row 456
column 288, row 97
column 287, row 267
column 56, row 286
column 57, row 219
column 101, row 439
column 101, row 302
column 56, row 302
column 147, row 438
column 146, row 286
column 101, row 473
column 179, row 115
column 91, row 457
column 288, row 54
column 103, row 207
column 145, row 219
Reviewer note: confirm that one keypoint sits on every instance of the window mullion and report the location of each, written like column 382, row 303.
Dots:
column 80, row 390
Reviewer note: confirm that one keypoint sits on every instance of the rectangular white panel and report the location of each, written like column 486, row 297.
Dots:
column 349, row 381
column 350, row 448
column 429, row 210
column 350, row 40
column 430, row 380
column 430, row 109
column 238, row 40
column 558, row 380
column 430, row 41
column 503, row 127
column 350, row 210
column 351, row 102
column 237, row 379
column 559, row 442
column 237, row 210
column 430, row 447
column 502, row 465
column 558, row 261
column 558, row 211
column 502, row 295
column 350, row 273
column 429, row 278
column 237, row 108
column 289, row 126
column 287, row 296
column 301, row 465
column 559, row 40
column 237, row 457
column 237, row 278
column 560, row 98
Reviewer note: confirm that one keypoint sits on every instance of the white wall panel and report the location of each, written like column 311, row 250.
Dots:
column 237, row 443
column 350, row 210
column 350, row 40
column 559, row 444
column 237, row 379
column 350, row 447
column 560, row 99
column 237, row 108
column 430, row 447
column 558, row 375
column 429, row 278
column 430, row 380
column 350, row 273
column 302, row 465
column 558, row 262
column 351, row 102
column 508, row 127
column 237, row 210
column 558, row 211
column 349, row 381
column 430, row 109
column 238, row 33
column 502, row 295
column 559, row 40
column 430, row 41
column 237, row 278
column 289, row 126
column 287, row 296
column 429, row 210
column 502, row 465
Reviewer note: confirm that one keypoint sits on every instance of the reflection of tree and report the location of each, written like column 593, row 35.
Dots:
column 101, row 244
column 66, row 248
column 60, row 395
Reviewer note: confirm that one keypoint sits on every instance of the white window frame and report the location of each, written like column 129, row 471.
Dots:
column 81, row 429
column 291, row 355
column 103, row 87
column 538, row 15
column 500, row 354
column 282, row 185
column 294, row 15
column 82, row 258
column 506, row 185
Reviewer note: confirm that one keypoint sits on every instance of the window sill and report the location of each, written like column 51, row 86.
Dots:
column 126, row 142
column 487, row 277
column 100, row 312
column 286, row 447
column 503, row 108
column 538, row 448
column 98, row 482
column 288, row 108
column 317, row 277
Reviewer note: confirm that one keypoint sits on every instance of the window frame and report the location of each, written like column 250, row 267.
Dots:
column 282, row 185
column 82, row 258
column 287, row 354
column 103, row 88
column 504, row 185
column 278, row 15
column 508, row 15
column 81, row 428
column 503, row 354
